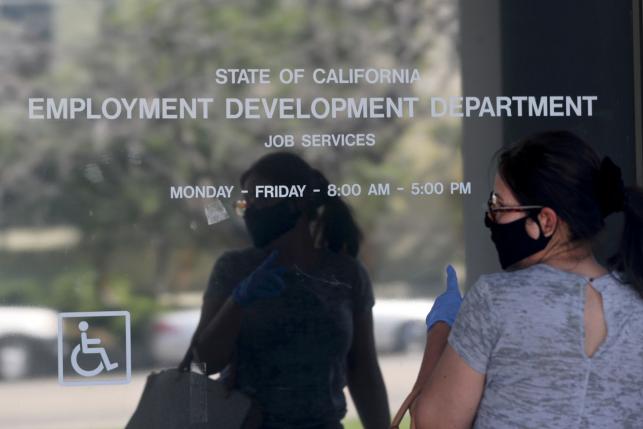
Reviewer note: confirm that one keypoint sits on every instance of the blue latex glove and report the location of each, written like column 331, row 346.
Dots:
column 264, row 282
column 446, row 306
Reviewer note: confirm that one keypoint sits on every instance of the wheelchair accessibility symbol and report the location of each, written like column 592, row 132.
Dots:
column 82, row 352
column 84, row 346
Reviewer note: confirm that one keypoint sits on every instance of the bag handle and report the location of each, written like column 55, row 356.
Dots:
column 191, row 356
column 406, row 406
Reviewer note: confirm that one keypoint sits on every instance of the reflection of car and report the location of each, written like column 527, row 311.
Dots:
column 171, row 335
column 397, row 325
column 27, row 341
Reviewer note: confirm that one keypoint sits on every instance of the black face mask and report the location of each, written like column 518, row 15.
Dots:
column 512, row 241
column 269, row 223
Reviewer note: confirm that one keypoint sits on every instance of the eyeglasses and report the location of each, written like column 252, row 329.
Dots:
column 493, row 207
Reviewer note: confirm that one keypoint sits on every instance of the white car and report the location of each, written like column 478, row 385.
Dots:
column 398, row 324
column 171, row 335
column 28, row 341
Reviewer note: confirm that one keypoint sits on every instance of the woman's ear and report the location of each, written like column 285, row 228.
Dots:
column 548, row 222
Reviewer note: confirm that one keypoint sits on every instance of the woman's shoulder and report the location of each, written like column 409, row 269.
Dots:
column 230, row 268
column 620, row 291
column 521, row 284
column 237, row 263
column 338, row 258
column 241, row 257
column 342, row 264
column 545, row 280
column 512, row 279
column 537, row 274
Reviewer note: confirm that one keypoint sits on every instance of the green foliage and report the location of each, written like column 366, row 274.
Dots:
column 20, row 291
column 74, row 290
column 111, row 179
column 141, row 307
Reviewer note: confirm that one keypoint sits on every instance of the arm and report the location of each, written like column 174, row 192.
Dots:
column 439, row 321
column 365, row 381
column 217, row 332
column 436, row 341
column 451, row 397
column 219, row 290
column 216, row 335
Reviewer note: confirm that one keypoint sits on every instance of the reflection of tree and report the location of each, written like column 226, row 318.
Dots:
column 111, row 178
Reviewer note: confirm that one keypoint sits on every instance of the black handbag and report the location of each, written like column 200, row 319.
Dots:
column 179, row 398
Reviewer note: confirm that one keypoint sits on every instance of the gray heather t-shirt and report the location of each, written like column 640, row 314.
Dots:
column 525, row 331
column 292, row 350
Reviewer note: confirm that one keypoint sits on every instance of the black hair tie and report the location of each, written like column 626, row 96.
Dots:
column 611, row 188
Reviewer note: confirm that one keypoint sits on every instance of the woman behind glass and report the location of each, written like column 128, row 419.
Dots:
column 290, row 319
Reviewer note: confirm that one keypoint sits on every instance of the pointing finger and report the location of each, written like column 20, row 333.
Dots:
column 452, row 279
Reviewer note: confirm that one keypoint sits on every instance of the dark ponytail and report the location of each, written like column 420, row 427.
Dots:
column 333, row 224
column 629, row 257
column 559, row 170
column 335, row 227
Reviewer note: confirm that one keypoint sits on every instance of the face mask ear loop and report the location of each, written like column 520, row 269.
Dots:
column 534, row 217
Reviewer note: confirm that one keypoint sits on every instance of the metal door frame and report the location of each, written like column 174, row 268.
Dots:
column 637, row 31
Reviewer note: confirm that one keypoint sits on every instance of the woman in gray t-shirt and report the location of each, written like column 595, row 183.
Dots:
column 556, row 341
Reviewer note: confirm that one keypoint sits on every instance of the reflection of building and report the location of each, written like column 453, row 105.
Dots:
column 549, row 48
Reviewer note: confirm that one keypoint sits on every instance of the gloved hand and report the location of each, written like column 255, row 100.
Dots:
column 446, row 306
column 264, row 282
